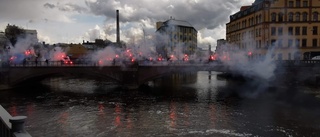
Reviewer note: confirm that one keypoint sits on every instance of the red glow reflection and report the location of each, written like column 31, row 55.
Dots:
column 101, row 108
column 30, row 109
column 186, row 115
column 63, row 117
column 117, row 120
column 13, row 110
column 173, row 115
column 213, row 115
column 129, row 122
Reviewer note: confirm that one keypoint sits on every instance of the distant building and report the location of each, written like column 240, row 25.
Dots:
column 221, row 46
column 177, row 36
column 3, row 41
column 290, row 27
column 15, row 33
column 32, row 35
column 202, row 54
column 98, row 44
column 76, row 51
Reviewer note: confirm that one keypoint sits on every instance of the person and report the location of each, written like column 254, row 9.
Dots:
column 24, row 61
column 36, row 61
column 114, row 62
column 47, row 62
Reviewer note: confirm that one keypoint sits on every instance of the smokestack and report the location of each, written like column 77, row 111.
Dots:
column 118, row 29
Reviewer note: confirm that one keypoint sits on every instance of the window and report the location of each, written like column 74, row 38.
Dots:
column 245, row 23
column 290, row 4
column 273, row 31
column 298, row 2
column 259, row 31
column 297, row 42
column 304, row 31
column 289, row 56
column 252, row 20
column 273, row 42
column 280, row 17
column 314, row 42
column 260, row 19
column 290, row 16
column 305, row 16
column 290, row 30
column 280, row 31
column 297, row 30
column 315, row 16
column 280, row 43
column 290, row 42
column 304, row 43
column 305, row 3
column 273, row 17
column 315, row 30
column 260, row 44
column 297, row 16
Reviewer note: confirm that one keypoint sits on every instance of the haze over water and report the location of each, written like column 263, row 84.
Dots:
column 194, row 104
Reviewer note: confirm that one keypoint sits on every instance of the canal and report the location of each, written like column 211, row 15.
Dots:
column 199, row 104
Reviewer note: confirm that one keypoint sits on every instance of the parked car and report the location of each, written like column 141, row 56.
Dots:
column 316, row 58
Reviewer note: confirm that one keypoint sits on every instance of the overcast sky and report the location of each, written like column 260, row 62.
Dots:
column 73, row 21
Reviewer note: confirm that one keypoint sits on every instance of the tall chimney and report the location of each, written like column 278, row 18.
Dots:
column 118, row 29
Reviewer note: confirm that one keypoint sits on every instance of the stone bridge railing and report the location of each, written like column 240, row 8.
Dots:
column 135, row 74
column 12, row 126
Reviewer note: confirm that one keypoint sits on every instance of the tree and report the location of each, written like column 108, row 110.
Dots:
column 13, row 32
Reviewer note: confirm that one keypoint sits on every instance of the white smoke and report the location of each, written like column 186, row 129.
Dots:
column 23, row 44
column 56, row 54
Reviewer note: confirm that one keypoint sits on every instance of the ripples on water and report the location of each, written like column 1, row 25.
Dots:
column 201, row 104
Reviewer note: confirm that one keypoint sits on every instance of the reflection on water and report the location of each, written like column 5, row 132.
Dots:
column 194, row 104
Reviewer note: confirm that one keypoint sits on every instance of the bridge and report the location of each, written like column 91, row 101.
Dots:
column 129, row 75
column 132, row 75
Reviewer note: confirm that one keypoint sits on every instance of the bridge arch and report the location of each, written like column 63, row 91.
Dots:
column 128, row 76
column 19, row 75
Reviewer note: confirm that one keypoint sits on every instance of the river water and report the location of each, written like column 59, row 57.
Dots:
column 200, row 104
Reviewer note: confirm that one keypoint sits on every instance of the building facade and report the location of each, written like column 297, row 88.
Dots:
column 177, row 36
column 75, row 51
column 289, row 27
column 4, row 42
column 32, row 36
column 221, row 46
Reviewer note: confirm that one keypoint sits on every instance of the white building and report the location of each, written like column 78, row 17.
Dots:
column 32, row 35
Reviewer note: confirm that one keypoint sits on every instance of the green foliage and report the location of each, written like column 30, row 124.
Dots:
column 13, row 32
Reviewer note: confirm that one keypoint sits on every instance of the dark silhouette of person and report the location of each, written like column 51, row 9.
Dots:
column 24, row 61
column 36, row 61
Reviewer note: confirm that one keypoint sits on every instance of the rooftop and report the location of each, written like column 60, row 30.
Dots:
column 178, row 23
